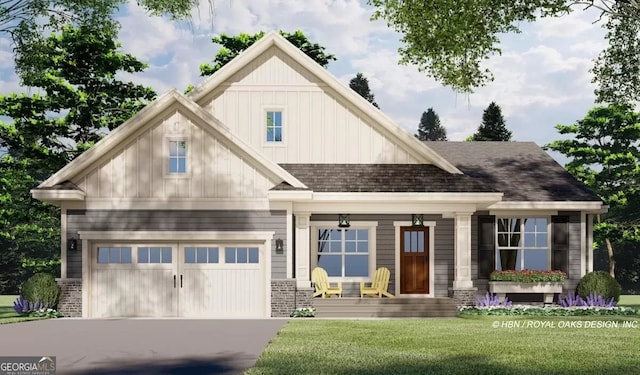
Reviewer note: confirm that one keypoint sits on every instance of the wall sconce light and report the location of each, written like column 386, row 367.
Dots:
column 72, row 244
column 279, row 246
column 343, row 221
column 417, row 220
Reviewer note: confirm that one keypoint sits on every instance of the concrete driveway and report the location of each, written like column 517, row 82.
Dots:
column 142, row 346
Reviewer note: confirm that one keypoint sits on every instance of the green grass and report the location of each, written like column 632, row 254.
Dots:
column 630, row 301
column 8, row 315
column 453, row 346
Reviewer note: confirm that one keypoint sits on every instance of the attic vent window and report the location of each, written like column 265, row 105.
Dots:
column 178, row 156
column 274, row 126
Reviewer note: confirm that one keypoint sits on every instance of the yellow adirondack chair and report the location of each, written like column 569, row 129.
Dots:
column 321, row 282
column 379, row 284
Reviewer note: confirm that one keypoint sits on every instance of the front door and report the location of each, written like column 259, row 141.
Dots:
column 414, row 260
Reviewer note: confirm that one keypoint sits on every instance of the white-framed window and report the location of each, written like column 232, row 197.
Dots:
column 523, row 243
column 345, row 253
column 274, row 121
column 110, row 255
column 154, row 254
column 201, row 255
column 177, row 156
column 242, row 255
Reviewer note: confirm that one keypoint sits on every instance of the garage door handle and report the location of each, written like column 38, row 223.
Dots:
column 174, row 281
column 180, row 281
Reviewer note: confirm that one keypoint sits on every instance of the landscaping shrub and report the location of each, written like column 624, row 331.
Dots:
column 41, row 287
column 599, row 283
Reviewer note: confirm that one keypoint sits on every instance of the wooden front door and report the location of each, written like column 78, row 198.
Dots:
column 414, row 260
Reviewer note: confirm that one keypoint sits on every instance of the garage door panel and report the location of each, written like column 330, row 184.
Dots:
column 211, row 280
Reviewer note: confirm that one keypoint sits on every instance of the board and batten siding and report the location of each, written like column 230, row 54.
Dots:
column 138, row 169
column 176, row 220
column 386, row 251
column 320, row 126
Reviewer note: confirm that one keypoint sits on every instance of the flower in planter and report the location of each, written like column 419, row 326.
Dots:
column 528, row 276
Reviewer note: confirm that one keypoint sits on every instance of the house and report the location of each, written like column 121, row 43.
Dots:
column 221, row 202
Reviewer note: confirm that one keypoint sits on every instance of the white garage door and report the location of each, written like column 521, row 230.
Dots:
column 181, row 279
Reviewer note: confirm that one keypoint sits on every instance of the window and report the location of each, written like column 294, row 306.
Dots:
column 344, row 252
column 178, row 156
column 523, row 243
column 274, row 126
column 154, row 255
column 108, row 255
column 201, row 255
column 241, row 255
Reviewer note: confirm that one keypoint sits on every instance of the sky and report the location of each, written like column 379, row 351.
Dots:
column 542, row 77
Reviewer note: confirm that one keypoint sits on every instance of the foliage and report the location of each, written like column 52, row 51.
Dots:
column 599, row 283
column 617, row 69
column 41, row 287
column 528, row 276
column 430, row 128
column 593, row 300
column 493, row 126
column 303, row 312
column 79, row 99
column 22, row 306
column 522, row 310
column 233, row 45
column 449, row 40
column 29, row 229
column 360, row 84
column 492, row 300
column 45, row 313
column 604, row 154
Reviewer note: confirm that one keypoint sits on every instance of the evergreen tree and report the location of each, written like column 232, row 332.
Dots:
column 360, row 84
column 430, row 128
column 493, row 127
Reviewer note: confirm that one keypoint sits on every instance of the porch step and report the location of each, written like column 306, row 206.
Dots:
column 384, row 307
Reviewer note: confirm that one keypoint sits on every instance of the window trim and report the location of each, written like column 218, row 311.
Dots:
column 314, row 226
column 284, row 126
column 167, row 155
column 522, row 224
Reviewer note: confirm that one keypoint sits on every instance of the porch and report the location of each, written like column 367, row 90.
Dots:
column 399, row 307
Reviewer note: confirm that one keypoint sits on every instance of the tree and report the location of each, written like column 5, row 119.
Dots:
column 80, row 100
column 429, row 128
column 233, row 45
column 360, row 84
column 493, row 126
column 617, row 68
column 450, row 39
column 605, row 155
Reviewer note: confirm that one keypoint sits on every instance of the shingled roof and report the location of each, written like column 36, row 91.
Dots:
column 521, row 170
column 373, row 178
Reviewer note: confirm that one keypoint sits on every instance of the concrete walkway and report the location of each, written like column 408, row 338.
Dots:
column 142, row 346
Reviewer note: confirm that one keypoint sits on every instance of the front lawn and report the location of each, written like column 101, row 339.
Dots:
column 519, row 345
column 8, row 315
column 630, row 301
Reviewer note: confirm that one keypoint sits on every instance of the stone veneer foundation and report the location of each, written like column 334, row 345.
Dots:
column 285, row 297
column 70, row 303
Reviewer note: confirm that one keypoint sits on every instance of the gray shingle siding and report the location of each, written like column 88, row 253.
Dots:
column 385, row 249
column 176, row 220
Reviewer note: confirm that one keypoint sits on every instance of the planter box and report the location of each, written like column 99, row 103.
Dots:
column 501, row 288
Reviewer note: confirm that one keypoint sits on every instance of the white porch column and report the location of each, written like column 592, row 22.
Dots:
column 303, row 279
column 462, row 244
column 589, row 243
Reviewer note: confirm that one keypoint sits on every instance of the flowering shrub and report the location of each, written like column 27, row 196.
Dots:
column 524, row 310
column 528, row 276
column 492, row 300
column 593, row 300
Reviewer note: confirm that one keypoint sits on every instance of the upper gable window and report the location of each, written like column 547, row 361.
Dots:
column 274, row 126
column 178, row 156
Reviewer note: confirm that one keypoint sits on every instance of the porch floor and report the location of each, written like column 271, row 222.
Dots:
column 399, row 307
